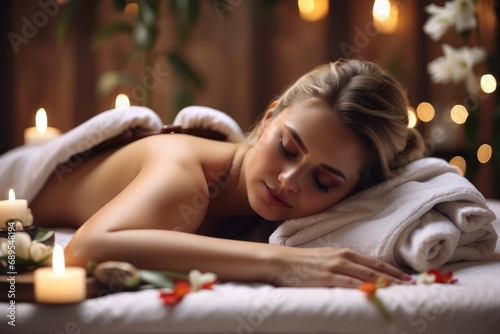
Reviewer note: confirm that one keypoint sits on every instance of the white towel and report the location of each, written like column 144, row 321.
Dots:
column 26, row 168
column 200, row 117
column 425, row 217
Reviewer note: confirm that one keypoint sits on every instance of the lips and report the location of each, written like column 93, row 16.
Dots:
column 275, row 198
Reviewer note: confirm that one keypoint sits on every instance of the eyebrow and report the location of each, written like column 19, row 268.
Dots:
column 304, row 149
column 299, row 141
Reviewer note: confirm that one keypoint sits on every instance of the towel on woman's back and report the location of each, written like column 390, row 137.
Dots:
column 424, row 217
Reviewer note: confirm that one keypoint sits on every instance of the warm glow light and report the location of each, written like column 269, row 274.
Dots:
column 484, row 153
column 488, row 83
column 41, row 121
column 425, row 112
column 131, row 9
column 459, row 114
column 313, row 10
column 460, row 163
column 412, row 117
column 385, row 16
column 122, row 101
column 58, row 266
column 12, row 195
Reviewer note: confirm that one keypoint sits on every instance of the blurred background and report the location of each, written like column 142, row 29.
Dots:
column 74, row 57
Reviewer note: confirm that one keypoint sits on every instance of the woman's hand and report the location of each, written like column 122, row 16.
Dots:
column 332, row 267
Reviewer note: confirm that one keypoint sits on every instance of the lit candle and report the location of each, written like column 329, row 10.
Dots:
column 60, row 285
column 122, row 101
column 41, row 133
column 13, row 209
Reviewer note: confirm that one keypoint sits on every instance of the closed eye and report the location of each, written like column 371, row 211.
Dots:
column 286, row 153
column 320, row 186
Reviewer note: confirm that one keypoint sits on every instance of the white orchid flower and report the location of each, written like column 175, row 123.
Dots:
column 460, row 13
column 38, row 251
column 465, row 15
column 457, row 65
column 425, row 278
column 439, row 22
column 197, row 279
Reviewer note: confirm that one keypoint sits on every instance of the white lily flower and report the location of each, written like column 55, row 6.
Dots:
column 460, row 13
column 465, row 15
column 439, row 22
column 22, row 243
column 197, row 279
column 457, row 65
column 38, row 251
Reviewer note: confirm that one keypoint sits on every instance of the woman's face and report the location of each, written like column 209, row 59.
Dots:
column 305, row 161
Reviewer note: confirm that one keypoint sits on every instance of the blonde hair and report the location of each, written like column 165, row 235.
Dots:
column 368, row 101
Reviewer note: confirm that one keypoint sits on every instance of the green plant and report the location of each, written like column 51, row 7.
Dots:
column 144, row 33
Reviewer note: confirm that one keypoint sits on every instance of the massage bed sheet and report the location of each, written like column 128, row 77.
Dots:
column 470, row 305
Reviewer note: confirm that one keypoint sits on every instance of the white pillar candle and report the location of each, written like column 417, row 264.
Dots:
column 13, row 209
column 41, row 133
column 60, row 285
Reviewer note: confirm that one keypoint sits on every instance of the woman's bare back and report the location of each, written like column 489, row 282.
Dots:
column 72, row 198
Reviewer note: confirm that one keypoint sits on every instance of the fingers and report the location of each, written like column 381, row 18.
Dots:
column 362, row 268
column 370, row 269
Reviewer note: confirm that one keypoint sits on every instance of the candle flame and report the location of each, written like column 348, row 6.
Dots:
column 122, row 101
column 58, row 266
column 41, row 120
column 12, row 195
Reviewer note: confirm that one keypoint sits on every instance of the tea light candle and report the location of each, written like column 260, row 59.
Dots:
column 60, row 285
column 41, row 133
column 13, row 209
column 122, row 101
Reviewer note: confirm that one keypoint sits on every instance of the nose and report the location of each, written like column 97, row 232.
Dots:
column 290, row 178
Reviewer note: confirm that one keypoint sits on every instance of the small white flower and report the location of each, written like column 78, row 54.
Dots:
column 457, row 65
column 460, row 13
column 38, row 251
column 197, row 279
column 465, row 15
column 425, row 278
column 22, row 243
column 439, row 22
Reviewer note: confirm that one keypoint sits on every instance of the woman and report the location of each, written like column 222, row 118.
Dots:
column 163, row 202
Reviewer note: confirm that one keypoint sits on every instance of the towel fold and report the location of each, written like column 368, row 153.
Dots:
column 426, row 216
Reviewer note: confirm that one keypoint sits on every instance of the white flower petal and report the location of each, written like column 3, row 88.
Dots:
column 22, row 243
column 38, row 251
column 465, row 15
column 440, row 20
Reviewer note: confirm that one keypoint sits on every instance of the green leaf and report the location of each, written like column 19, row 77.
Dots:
column 65, row 17
column 45, row 236
column 157, row 278
column 110, row 30
column 184, row 70
column 113, row 79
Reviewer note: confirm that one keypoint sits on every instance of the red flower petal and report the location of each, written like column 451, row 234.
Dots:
column 169, row 298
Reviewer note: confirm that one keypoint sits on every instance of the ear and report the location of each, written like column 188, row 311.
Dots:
column 267, row 116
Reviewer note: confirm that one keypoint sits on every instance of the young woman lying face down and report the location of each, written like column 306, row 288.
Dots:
column 177, row 202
